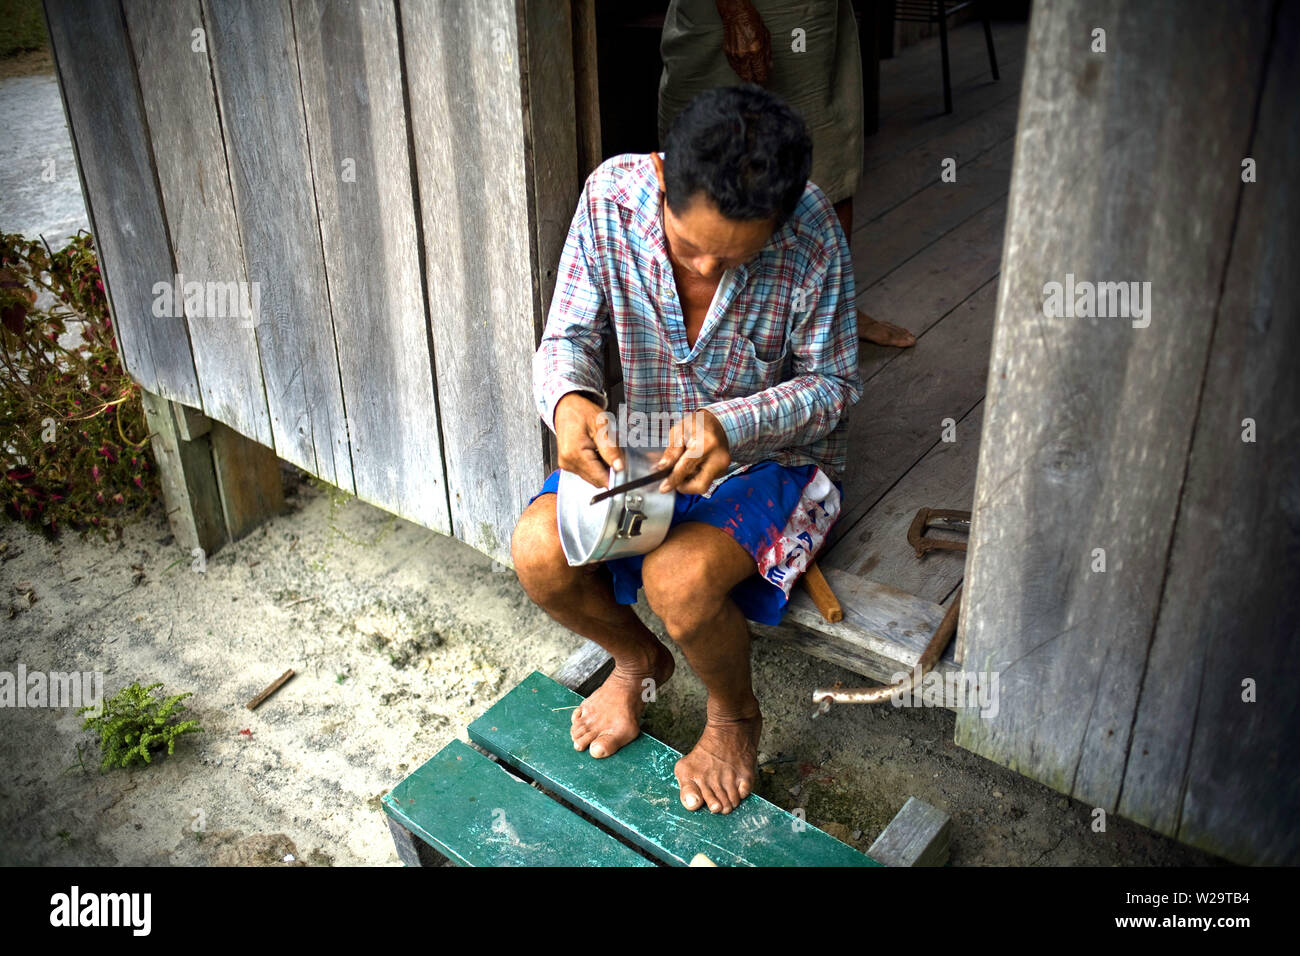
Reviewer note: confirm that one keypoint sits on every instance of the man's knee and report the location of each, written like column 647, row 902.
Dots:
column 681, row 589
column 538, row 555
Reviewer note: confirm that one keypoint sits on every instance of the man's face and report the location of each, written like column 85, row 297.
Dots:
column 704, row 243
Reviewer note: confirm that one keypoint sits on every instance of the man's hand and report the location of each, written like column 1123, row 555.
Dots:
column 698, row 451
column 582, row 436
column 745, row 40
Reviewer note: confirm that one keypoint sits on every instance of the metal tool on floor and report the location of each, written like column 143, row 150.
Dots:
column 945, row 519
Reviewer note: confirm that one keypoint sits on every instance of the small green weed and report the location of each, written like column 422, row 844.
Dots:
column 134, row 723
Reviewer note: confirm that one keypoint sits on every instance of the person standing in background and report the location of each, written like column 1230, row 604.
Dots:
column 816, row 68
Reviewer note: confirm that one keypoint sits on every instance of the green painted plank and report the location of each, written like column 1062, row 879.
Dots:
column 635, row 793
column 476, row 814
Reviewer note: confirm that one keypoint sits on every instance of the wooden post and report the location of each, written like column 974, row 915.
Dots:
column 249, row 483
column 1135, row 543
column 917, row 836
column 217, row 485
column 411, row 850
column 189, row 483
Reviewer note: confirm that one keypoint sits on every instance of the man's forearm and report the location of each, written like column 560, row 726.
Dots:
column 790, row 414
column 560, row 369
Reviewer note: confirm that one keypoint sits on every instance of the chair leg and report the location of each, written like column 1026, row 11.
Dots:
column 988, row 40
column 943, row 46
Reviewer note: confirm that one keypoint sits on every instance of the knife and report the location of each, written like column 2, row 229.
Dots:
column 649, row 479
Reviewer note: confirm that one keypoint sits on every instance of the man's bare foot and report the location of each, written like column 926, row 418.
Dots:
column 883, row 333
column 611, row 717
column 719, row 772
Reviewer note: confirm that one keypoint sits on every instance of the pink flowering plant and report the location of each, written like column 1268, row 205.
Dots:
column 73, row 439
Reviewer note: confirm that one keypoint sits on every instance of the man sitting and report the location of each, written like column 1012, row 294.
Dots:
column 726, row 280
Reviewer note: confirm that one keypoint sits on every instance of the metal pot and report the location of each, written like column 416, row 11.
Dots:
column 631, row 522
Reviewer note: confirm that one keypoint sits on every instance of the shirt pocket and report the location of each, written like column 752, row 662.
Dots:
column 745, row 373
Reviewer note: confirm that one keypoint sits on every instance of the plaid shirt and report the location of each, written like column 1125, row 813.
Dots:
column 776, row 360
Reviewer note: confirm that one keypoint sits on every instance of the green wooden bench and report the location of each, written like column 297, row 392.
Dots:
column 468, row 809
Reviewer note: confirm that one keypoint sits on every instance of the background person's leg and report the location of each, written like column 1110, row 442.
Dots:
column 869, row 329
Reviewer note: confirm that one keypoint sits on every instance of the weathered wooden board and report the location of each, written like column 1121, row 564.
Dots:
column 900, row 137
column 551, row 140
column 259, row 95
column 189, row 483
column 882, row 635
column 876, row 547
column 463, row 73
column 897, row 180
column 110, row 136
column 585, row 669
column 356, row 124
column 586, row 87
column 477, row 814
column 917, row 836
column 1205, row 765
column 190, row 422
column 886, row 242
column 411, row 850
column 185, row 133
column 635, row 793
column 249, row 480
column 1127, row 169
column 561, row 101
column 928, row 286
column 901, row 415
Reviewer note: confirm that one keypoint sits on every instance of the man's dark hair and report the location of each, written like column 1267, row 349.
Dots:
column 741, row 146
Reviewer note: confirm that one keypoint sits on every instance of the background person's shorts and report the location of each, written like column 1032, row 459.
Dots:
column 780, row 515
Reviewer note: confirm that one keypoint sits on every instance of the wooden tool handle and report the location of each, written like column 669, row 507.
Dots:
column 822, row 595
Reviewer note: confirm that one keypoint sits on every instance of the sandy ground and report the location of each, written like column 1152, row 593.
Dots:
column 400, row 637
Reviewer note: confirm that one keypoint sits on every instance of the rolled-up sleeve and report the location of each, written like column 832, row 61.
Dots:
column 826, row 380
column 570, row 357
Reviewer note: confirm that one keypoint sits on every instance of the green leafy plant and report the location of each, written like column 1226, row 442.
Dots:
column 75, row 447
column 134, row 723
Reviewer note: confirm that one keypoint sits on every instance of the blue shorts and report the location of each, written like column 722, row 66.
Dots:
column 781, row 515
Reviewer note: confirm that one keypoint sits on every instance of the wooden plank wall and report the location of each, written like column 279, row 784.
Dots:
column 1124, row 688
column 256, row 70
column 352, row 87
column 180, row 101
column 466, row 107
column 396, row 180
column 111, row 140
column 1231, row 601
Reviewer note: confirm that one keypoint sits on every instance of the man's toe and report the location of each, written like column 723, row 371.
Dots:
column 692, row 799
column 610, row 742
column 711, row 798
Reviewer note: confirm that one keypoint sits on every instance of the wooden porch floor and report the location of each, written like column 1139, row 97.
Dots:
column 927, row 257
